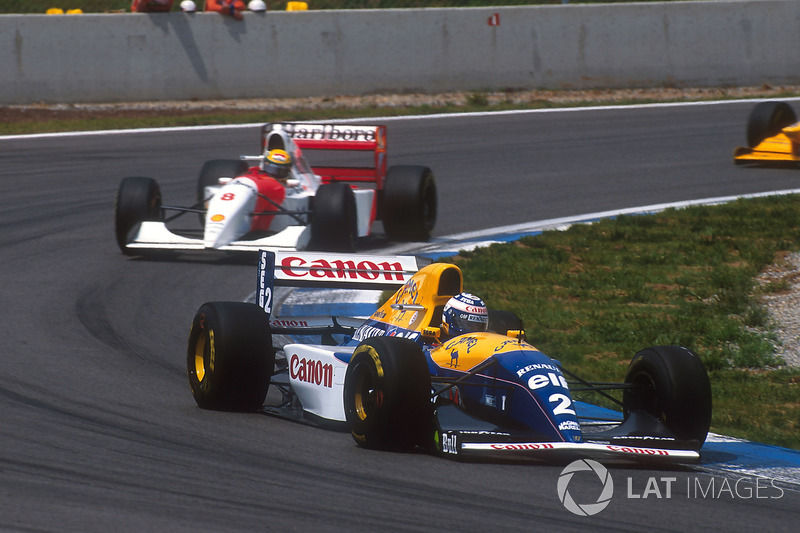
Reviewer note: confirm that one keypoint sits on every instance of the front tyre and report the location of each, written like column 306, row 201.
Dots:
column 210, row 174
column 387, row 390
column 230, row 358
column 671, row 384
column 409, row 203
column 138, row 200
column 767, row 119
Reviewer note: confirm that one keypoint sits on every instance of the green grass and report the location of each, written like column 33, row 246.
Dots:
column 593, row 295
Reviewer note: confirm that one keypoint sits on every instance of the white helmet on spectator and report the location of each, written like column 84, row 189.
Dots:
column 257, row 5
column 188, row 6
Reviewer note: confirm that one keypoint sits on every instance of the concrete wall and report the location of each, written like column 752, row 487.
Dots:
column 131, row 57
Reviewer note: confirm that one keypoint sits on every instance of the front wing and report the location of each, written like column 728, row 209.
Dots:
column 472, row 444
column 156, row 236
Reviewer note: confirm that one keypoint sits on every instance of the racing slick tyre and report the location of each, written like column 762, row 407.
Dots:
column 138, row 200
column 768, row 119
column 502, row 321
column 671, row 383
column 409, row 203
column 230, row 357
column 334, row 226
column 210, row 174
column 387, row 389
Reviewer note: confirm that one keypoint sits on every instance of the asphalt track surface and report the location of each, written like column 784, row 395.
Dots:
column 98, row 429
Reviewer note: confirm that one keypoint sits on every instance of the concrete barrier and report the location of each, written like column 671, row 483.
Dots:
column 133, row 57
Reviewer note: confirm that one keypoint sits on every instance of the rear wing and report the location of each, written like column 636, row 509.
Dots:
column 344, row 137
column 330, row 270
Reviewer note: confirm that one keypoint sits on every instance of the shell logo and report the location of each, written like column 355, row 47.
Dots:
column 218, row 218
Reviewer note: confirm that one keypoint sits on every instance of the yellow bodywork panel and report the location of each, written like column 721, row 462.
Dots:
column 784, row 146
column 418, row 304
column 468, row 351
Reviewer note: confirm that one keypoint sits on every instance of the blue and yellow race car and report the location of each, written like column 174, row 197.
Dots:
column 402, row 378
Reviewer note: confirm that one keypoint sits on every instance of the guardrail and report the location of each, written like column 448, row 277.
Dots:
column 135, row 57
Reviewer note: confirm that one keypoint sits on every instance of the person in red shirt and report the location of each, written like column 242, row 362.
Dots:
column 151, row 6
column 233, row 8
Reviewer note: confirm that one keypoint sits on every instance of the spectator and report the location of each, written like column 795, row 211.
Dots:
column 233, row 8
column 151, row 6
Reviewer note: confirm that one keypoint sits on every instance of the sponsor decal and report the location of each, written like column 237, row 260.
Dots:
column 217, row 218
column 367, row 331
column 331, row 132
column 289, row 323
column 537, row 381
column 538, row 366
column 311, row 371
column 569, row 425
column 483, row 432
column 645, row 451
column 298, row 267
column 524, row 446
column 450, row 443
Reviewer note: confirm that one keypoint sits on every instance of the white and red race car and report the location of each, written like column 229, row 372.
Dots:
column 325, row 208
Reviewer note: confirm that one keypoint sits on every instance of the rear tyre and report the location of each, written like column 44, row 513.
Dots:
column 768, row 119
column 387, row 390
column 409, row 203
column 671, row 383
column 138, row 200
column 210, row 174
column 334, row 226
column 230, row 358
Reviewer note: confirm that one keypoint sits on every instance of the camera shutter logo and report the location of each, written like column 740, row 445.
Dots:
column 585, row 509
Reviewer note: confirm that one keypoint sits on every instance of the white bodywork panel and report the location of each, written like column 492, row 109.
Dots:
column 317, row 377
column 228, row 216
column 156, row 236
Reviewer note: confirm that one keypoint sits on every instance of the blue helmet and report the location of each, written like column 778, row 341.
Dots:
column 464, row 313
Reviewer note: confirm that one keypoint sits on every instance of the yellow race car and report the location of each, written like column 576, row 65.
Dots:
column 773, row 135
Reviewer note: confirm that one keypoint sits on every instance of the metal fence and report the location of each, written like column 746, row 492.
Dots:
column 118, row 6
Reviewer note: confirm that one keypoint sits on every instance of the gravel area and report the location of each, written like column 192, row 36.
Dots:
column 784, row 307
column 17, row 113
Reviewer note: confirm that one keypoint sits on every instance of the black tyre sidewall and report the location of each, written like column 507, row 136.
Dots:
column 237, row 375
column 212, row 171
column 334, row 225
column 501, row 321
column 400, row 376
column 680, row 391
column 768, row 119
column 138, row 200
column 410, row 203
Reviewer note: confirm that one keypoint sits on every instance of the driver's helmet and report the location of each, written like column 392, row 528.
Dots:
column 464, row 313
column 277, row 163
